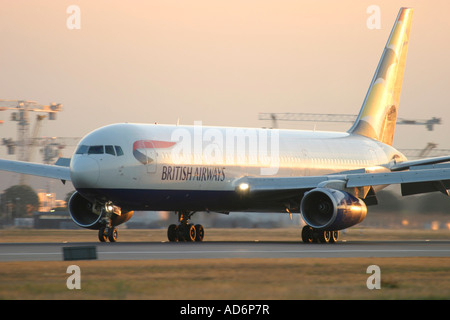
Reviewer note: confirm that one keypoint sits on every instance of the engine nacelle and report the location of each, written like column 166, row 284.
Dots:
column 84, row 213
column 330, row 209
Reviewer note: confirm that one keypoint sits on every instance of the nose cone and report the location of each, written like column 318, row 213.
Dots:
column 84, row 172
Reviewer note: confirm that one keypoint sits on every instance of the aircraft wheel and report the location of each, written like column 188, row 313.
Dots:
column 307, row 234
column 101, row 235
column 190, row 233
column 334, row 236
column 181, row 232
column 324, row 236
column 113, row 234
column 199, row 232
column 186, row 232
column 172, row 233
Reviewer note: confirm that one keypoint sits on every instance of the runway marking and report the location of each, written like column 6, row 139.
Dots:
column 270, row 251
column 109, row 252
column 276, row 251
column 236, row 251
column 28, row 253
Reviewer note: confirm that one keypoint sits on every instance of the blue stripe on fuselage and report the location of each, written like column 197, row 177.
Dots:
column 168, row 200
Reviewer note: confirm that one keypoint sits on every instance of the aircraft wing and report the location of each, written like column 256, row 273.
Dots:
column 418, row 179
column 421, row 178
column 36, row 169
column 414, row 163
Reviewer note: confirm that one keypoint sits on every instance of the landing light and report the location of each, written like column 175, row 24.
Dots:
column 244, row 187
column 111, row 208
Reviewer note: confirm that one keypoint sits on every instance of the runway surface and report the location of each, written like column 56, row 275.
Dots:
column 216, row 250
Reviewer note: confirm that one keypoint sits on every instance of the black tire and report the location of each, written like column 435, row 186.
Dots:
column 101, row 235
column 324, row 236
column 181, row 232
column 334, row 236
column 199, row 233
column 307, row 234
column 113, row 234
column 190, row 233
column 172, row 233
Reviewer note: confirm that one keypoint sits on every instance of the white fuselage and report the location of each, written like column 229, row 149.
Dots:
column 168, row 162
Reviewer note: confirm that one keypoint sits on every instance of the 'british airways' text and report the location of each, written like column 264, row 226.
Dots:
column 188, row 173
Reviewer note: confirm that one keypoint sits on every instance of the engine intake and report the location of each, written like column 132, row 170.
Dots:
column 84, row 214
column 330, row 209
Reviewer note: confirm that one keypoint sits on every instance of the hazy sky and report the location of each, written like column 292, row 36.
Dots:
column 221, row 62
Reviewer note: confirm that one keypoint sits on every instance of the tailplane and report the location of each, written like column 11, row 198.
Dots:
column 378, row 114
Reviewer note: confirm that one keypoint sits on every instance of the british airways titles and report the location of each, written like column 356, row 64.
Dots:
column 188, row 173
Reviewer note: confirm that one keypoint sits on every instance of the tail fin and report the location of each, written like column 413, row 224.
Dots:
column 378, row 114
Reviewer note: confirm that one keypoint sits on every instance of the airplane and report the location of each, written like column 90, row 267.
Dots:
column 328, row 177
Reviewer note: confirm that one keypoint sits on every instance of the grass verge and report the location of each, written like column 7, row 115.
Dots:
column 229, row 279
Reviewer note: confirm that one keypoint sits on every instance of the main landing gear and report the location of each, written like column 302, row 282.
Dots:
column 185, row 231
column 311, row 235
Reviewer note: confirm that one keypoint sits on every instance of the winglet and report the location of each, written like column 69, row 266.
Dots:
column 378, row 114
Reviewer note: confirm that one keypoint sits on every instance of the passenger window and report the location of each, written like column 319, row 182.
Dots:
column 82, row 149
column 96, row 150
column 119, row 151
column 110, row 150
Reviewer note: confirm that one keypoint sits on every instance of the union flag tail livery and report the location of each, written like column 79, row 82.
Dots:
column 379, row 111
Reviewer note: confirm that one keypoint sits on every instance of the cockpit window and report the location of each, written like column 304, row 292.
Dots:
column 82, row 149
column 110, row 150
column 96, row 150
column 119, row 151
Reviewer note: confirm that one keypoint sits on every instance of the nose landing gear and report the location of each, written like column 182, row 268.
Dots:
column 185, row 231
column 108, row 233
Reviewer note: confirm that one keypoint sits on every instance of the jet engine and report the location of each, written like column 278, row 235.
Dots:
column 87, row 215
column 330, row 209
